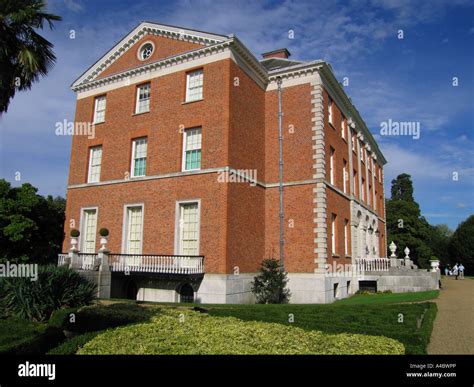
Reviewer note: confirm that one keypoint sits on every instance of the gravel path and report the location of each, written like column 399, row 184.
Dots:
column 453, row 330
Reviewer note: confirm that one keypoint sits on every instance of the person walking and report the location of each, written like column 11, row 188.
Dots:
column 456, row 270
column 461, row 271
column 446, row 271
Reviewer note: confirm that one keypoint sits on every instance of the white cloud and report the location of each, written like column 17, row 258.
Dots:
column 424, row 167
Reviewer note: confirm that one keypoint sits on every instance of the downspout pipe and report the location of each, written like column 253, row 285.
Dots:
column 280, row 141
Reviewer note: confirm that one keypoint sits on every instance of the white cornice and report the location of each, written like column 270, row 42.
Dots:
column 163, row 63
column 338, row 92
column 138, row 32
column 214, row 44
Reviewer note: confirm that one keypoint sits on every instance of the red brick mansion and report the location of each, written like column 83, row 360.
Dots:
column 183, row 170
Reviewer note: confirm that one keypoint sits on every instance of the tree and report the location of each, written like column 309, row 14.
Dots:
column 405, row 225
column 440, row 236
column 24, row 54
column 461, row 247
column 269, row 287
column 402, row 188
column 31, row 226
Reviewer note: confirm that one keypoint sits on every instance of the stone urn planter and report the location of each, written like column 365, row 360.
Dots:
column 104, row 233
column 74, row 241
column 434, row 265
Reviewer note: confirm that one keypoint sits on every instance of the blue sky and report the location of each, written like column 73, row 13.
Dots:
column 409, row 79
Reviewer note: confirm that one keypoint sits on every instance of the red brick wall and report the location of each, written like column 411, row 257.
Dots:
column 297, row 146
column 159, row 198
column 164, row 47
column 298, row 227
column 298, row 166
column 246, row 204
column 336, row 203
column 161, row 125
column 239, row 222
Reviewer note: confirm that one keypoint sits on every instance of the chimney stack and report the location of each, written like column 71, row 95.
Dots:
column 280, row 53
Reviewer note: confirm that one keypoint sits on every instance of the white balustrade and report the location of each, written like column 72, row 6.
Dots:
column 62, row 259
column 87, row 261
column 372, row 264
column 168, row 264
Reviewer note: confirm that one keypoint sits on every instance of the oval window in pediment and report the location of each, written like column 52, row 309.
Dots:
column 145, row 50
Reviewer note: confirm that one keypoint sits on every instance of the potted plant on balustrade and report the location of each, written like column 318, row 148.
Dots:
column 104, row 233
column 74, row 235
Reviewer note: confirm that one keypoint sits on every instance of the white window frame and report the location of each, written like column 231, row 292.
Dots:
column 82, row 234
column 125, row 229
column 188, row 78
column 185, row 137
column 343, row 126
column 96, row 103
column 333, row 234
column 332, row 152
column 137, row 102
column 134, row 145
column 330, row 111
column 91, row 152
column 362, row 189
column 177, row 229
column 140, row 49
column 346, row 237
column 344, row 176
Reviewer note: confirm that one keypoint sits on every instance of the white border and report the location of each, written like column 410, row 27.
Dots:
column 132, row 174
column 125, row 224
column 183, row 155
column 139, row 51
column 81, row 220
column 90, row 163
column 176, row 225
column 137, row 98
column 96, row 99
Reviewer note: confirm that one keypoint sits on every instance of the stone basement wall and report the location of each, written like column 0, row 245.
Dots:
column 404, row 281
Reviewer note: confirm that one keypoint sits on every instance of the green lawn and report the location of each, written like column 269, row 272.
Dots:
column 389, row 298
column 395, row 316
column 16, row 333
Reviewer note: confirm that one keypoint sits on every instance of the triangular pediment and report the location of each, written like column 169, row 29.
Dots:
column 166, row 41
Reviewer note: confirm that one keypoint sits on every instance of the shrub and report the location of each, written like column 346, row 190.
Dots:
column 100, row 317
column 72, row 345
column 75, row 233
column 55, row 288
column 269, row 287
column 186, row 332
column 60, row 317
column 104, row 232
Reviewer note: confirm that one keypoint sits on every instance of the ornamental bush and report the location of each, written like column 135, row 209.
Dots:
column 104, row 232
column 55, row 288
column 186, row 332
column 269, row 286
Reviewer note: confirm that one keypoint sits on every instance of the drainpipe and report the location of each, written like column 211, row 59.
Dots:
column 280, row 140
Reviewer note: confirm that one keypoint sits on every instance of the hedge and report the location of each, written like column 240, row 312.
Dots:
column 20, row 337
column 100, row 317
column 71, row 346
column 187, row 332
